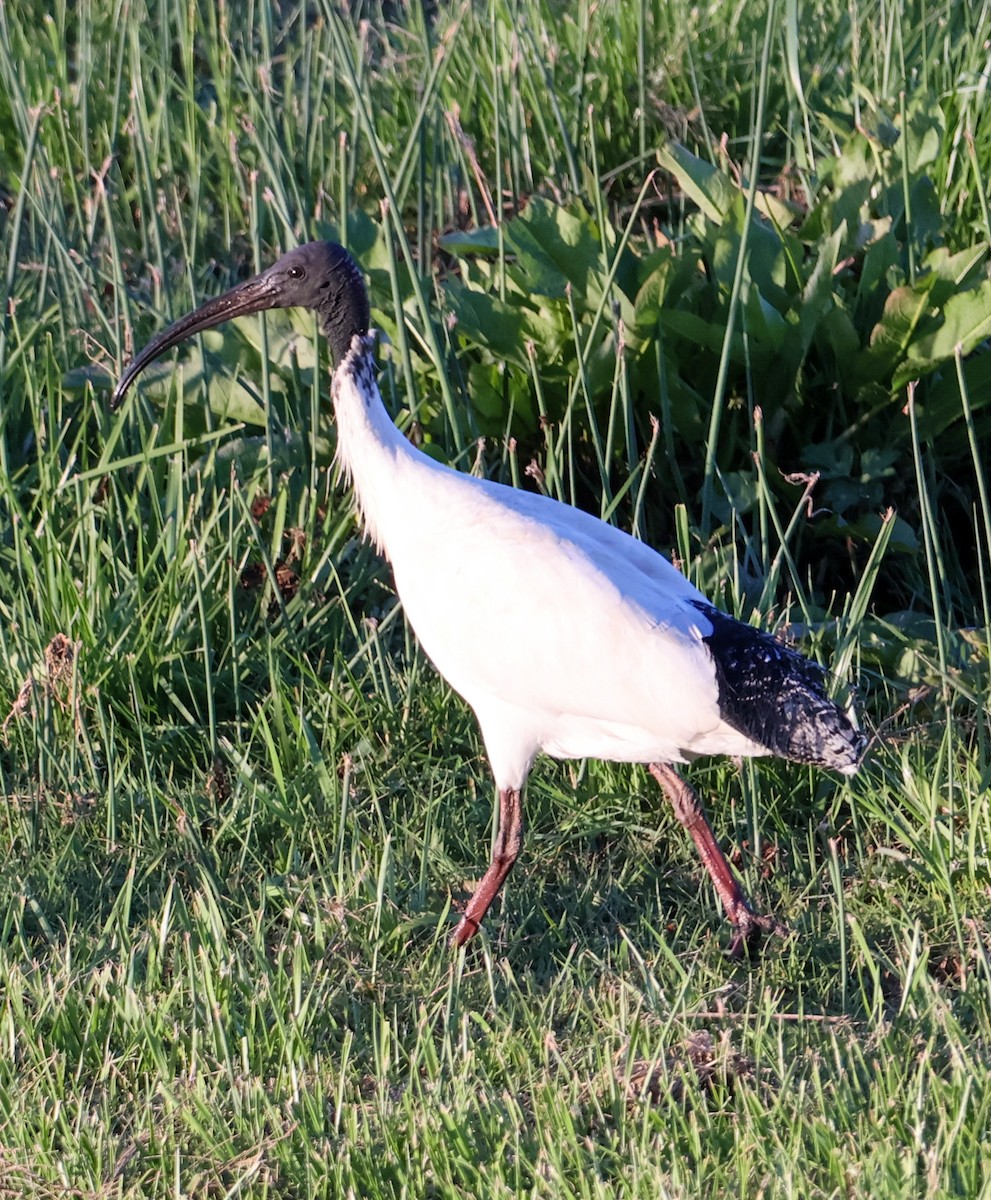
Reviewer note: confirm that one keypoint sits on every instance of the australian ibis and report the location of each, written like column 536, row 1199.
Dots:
column 566, row 636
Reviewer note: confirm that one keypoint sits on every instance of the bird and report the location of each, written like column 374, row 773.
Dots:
column 566, row 635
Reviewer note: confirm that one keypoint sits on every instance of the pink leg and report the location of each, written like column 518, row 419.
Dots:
column 688, row 809
column 504, row 854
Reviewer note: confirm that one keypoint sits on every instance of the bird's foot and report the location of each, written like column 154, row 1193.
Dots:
column 750, row 930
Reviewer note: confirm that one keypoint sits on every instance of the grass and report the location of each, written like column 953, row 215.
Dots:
column 238, row 801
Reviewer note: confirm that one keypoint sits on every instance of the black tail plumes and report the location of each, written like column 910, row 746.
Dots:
column 778, row 698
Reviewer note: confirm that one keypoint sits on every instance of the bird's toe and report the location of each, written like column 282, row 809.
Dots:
column 750, row 931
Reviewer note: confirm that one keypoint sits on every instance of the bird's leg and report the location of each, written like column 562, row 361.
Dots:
column 504, row 853
column 688, row 809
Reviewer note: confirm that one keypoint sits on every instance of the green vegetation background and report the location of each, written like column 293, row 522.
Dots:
column 717, row 273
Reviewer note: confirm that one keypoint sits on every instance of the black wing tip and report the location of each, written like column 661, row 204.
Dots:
column 777, row 697
column 829, row 739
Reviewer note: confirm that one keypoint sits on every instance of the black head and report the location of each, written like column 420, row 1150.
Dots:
column 320, row 275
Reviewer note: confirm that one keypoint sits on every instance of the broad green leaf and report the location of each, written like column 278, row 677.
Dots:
column 904, row 310
column 818, row 298
column 237, row 399
column 939, row 405
column 77, row 378
column 855, row 164
column 927, row 218
column 489, row 322
column 965, row 322
column 656, row 274
column 706, row 185
column 485, row 387
column 881, row 129
column 923, row 135
column 555, row 246
column 766, row 260
column 471, row 241
column 766, row 328
column 850, row 495
column 697, row 330
column 781, row 215
column 288, row 338
column 833, row 460
column 956, row 269
column 847, row 206
column 878, row 462
column 836, row 331
column 879, row 258
column 498, row 392
column 228, row 395
column 252, row 453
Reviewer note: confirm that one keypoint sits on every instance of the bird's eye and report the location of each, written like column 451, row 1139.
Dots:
column 296, row 273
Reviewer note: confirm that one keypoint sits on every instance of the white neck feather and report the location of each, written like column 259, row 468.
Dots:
column 375, row 457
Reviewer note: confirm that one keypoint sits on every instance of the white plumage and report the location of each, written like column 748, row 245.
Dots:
column 565, row 635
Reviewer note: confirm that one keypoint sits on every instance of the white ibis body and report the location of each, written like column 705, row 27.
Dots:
column 564, row 634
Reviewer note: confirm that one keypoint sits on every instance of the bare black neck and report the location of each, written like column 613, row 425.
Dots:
column 343, row 308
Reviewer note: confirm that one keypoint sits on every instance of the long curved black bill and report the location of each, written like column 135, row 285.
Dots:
column 255, row 294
